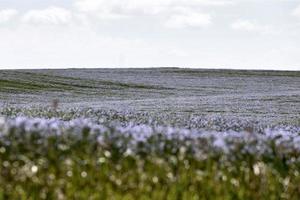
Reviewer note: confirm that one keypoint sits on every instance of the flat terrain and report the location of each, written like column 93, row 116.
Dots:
column 259, row 95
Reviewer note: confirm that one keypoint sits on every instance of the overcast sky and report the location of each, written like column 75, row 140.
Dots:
column 245, row 34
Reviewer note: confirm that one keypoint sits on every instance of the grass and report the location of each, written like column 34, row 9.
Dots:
column 68, row 169
column 47, row 81
column 20, row 85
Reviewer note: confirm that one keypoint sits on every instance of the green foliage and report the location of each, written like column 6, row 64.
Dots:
column 67, row 168
column 35, row 165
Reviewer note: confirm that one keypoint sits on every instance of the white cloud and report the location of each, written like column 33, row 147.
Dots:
column 171, row 13
column 73, row 36
column 51, row 15
column 121, row 8
column 75, row 46
column 250, row 26
column 188, row 18
column 178, row 53
column 94, row 5
column 244, row 25
column 296, row 12
column 7, row 14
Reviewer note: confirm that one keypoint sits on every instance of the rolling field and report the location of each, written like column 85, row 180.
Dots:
column 164, row 133
column 258, row 95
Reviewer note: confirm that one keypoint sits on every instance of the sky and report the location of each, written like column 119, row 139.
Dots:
column 238, row 34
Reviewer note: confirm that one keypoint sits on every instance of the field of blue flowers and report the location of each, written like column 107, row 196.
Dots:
column 105, row 154
column 163, row 133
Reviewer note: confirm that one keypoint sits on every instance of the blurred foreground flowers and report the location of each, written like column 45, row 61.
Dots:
column 88, row 158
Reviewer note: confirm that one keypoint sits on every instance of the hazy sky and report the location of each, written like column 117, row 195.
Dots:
column 256, row 34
